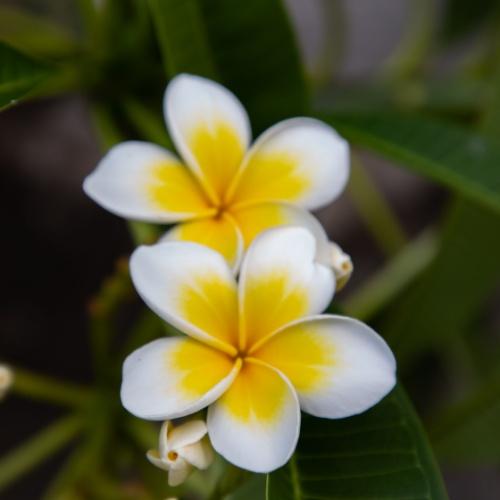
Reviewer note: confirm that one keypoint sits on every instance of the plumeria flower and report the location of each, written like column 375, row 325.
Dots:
column 258, row 351
column 181, row 448
column 221, row 191
column 6, row 380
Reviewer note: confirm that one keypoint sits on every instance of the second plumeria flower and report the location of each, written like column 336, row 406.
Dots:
column 258, row 353
column 221, row 191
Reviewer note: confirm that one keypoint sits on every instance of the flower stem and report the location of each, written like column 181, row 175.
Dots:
column 37, row 449
column 387, row 283
column 374, row 210
column 49, row 389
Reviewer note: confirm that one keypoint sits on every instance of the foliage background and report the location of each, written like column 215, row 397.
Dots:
column 414, row 85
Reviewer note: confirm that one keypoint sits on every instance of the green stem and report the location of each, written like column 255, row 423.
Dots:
column 37, row 449
column 232, row 479
column 329, row 57
column 102, row 487
column 147, row 328
column 149, row 124
column 393, row 278
column 418, row 42
column 104, row 123
column 49, row 389
column 114, row 291
column 374, row 210
column 145, row 434
column 88, row 14
column 85, row 460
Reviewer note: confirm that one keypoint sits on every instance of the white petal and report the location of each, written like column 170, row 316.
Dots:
column 301, row 160
column 255, row 424
column 154, row 457
column 187, row 433
column 174, row 377
column 255, row 219
column 199, row 454
column 163, row 441
column 338, row 365
column 141, row 181
column 280, row 281
column 210, row 129
column 191, row 287
column 178, row 475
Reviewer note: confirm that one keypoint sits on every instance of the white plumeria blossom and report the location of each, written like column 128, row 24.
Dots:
column 257, row 350
column 181, row 448
column 6, row 380
column 222, row 191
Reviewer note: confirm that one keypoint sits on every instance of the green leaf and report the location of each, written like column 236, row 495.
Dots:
column 462, row 432
column 182, row 37
column 18, row 75
column 253, row 489
column 453, row 288
column 256, row 56
column 248, row 46
column 461, row 160
column 380, row 454
column 33, row 33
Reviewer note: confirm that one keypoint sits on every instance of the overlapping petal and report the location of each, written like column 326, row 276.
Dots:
column 339, row 366
column 255, row 219
column 191, row 287
column 220, row 233
column 210, row 129
column 177, row 437
column 255, row 424
column 301, row 161
column 280, row 282
column 173, row 377
column 142, row 181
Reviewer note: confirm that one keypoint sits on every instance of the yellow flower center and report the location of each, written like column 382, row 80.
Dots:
column 172, row 456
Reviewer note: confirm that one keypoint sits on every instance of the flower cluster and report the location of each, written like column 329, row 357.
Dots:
column 222, row 193
column 245, row 275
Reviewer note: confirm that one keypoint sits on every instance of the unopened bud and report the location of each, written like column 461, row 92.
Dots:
column 6, row 380
column 341, row 264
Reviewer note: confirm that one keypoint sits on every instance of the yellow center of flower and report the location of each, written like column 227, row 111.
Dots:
column 172, row 456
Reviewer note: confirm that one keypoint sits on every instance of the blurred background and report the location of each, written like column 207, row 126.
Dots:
column 424, row 260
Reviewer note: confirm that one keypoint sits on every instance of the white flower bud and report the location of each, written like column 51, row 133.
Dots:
column 341, row 264
column 6, row 380
column 181, row 448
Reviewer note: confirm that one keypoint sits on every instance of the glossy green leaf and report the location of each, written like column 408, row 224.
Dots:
column 380, row 454
column 248, row 46
column 256, row 56
column 453, row 288
column 18, row 75
column 462, row 432
column 463, row 161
